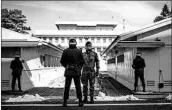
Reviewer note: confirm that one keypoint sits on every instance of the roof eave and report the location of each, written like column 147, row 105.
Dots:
column 130, row 44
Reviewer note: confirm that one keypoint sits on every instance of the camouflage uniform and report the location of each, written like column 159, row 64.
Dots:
column 88, row 73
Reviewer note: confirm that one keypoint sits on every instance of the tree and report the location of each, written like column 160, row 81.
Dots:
column 165, row 13
column 14, row 20
column 158, row 18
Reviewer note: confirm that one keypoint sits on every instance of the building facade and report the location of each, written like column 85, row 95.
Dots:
column 101, row 34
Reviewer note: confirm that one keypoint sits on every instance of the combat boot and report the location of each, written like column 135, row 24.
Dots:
column 81, row 104
column 85, row 99
column 65, row 103
column 91, row 100
column 143, row 89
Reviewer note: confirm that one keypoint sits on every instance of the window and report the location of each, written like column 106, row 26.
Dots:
column 98, row 49
column 120, row 58
column 92, row 40
column 104, row 49
column 50, row 39
column 110, row 40
column 62, row 40
column 68, row 39
column 80, row 40
column 98, row 40
column 104, row 40
column 56, row 40
column 42, row 59
column 44, row 38
column 112, row 60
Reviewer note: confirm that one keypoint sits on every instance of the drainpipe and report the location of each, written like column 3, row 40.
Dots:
column 161, row 81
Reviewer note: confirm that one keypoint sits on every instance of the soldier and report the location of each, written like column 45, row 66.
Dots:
column 139, row 65
column 72, row 59
column 16, row 66
column 89, row 73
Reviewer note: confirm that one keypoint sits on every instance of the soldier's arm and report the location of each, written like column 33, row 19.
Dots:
column 133, row 64
column 63, row 59
column 144, row 63
column 11, row 65
column 21, row 66
column 97, row 61
column 82, row 57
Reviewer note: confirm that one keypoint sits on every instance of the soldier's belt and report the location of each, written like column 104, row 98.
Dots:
column 71, row 67
column 88, row 69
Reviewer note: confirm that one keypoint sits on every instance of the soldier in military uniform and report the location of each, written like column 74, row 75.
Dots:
column 72, row 59
column 89, row 74
column 16, row 66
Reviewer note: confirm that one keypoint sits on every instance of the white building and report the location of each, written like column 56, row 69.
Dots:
column 101, row 34
column 40, row 59
column 154, row 42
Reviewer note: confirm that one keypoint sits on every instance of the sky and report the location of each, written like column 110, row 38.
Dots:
column 42, row 15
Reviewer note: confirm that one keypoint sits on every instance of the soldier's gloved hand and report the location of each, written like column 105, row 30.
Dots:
column 97, row 73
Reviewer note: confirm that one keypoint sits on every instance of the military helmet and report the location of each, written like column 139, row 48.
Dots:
column 72, row 41
column 17, row 55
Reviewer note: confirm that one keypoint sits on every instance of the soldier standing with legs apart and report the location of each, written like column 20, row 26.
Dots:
column 16, row 66
column 72, row 59
column 139, row 65
column 89, row 74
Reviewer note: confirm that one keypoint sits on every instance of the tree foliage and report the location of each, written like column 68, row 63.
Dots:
column 165, row 13
column 14, row 20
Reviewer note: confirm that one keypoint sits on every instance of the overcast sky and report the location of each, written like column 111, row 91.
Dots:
column 42, row 15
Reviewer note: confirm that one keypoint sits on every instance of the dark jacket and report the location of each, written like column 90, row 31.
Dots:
column 72, row 56
column 138, row 63
column 16, row 66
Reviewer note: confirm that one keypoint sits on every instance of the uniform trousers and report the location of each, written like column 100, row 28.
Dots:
column 14, row 82
column 77, row 83
column 88, row 78
column 139, row 73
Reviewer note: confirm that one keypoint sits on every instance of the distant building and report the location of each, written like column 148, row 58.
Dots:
column 154, row 42
column 36, row 54
column 101, row 34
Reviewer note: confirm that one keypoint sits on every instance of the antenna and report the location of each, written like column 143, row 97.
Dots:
column 123, row 21
column 124, row 24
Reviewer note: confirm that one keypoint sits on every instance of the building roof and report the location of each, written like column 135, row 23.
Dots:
column 159, row 34
column 147, row 44
column 12, row 35
column 145, row 29
column 17, row 43
column 15, row 39
column 86, row 23
column 74, row 32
